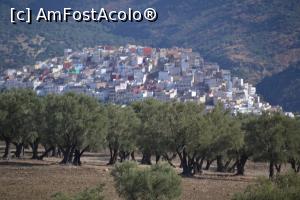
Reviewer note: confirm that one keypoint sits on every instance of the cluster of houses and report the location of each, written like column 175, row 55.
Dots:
column 125, row 74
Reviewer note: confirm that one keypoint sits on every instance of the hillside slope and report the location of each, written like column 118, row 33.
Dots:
column 253, row 38
column 283, row 89
column 23, row 44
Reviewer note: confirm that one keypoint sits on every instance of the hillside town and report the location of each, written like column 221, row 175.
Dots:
column 125, row 74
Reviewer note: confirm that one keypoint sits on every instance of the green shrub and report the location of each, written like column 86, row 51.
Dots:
column 87, row 194
column 160, row 182
column 283, row 187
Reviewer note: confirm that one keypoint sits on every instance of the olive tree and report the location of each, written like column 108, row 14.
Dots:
column 150, row 137
column 75, row 123
column 268, row 140
column 293, row 142
column 226, row 137
column 18, row 108
column 188, row 135
column 123, row 125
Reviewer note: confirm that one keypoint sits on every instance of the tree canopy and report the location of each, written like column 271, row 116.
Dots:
column 72, row 124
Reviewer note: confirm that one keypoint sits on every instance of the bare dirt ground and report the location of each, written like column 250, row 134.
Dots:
column 33, row 180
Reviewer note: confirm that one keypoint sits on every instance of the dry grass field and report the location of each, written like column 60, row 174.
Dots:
column 33, row 180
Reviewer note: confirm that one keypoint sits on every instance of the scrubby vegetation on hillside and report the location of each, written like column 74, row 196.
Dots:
column 283, row 89
column 253, row 38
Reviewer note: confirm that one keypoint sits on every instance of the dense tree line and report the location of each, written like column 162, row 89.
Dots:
column 72, row 124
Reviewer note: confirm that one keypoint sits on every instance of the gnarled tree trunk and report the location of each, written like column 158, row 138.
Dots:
column 146, row 159
column 124, row 155
column 240, row 165
column 45, row 153
column 185, row 164
column 278, row 168
column 77, row 156
column 132, row 156
column 54, row 152
column 157, row 157
column 7, row 151
column 198, row 165
column 113, row 155
column 19, row 148
column 67, row 155
column 169, row 159
column 34, row 147
column 271, row 169
column 220, row 164
column 208, row 164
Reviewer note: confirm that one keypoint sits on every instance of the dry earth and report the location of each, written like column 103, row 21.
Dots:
column 33, row 180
